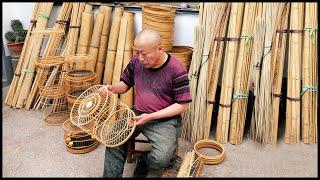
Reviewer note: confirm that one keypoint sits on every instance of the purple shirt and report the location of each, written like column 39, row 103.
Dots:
column 157, row 88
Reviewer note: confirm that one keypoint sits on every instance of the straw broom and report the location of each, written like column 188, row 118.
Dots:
column 241, row 87
column 95, row 41
column 112, row 45
column 292, row 128
column 235, row 23
column 13, row 85
column 25, row 80
column 106, row 10
column 309, row 76
column 278, row 57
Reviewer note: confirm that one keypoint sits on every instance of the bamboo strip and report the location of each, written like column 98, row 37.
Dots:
column 112, row 45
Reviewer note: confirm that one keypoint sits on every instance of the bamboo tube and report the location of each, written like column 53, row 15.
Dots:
column 235, row 23
column 25, row 80
column 86, row 30
column 127, row 98
column 106, row 10
column 215, row 63
column 292, row 128
column 309, row 76
column 12, row 88
column 95, row 41
column 278, row 57
column 241, row 86
column 112, row 45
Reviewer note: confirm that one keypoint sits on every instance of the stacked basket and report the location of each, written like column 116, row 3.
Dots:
column 161, row 19
column 183, row 53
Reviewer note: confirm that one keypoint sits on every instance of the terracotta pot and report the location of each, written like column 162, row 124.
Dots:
column 15, row 48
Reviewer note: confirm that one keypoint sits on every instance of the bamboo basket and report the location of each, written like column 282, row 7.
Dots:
column 105, row 118
column 183, row 53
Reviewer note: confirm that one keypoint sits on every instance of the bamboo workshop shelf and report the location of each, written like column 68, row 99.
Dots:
column 104, row 117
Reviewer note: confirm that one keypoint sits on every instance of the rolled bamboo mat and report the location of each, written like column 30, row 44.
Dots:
column 112, row 45
column 127, row 98
column 13, row 85
column 106, row 10
column 278, row 58
column 87, row 21
column 235, row 23
column 183, row 53
column 241, row 85
column 309, row 92
column 95, row 41
column 25, row 80
column 293, row 115
column 215, row 59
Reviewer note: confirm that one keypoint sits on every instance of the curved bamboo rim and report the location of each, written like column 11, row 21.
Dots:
column 68, row 127
column 53, row 91
column 73, row 78
column 207, row 143
column 83, row 150
column 183, row 53
column 56, row 119
column 50, row 61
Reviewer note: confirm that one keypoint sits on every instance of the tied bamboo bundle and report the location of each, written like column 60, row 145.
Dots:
column 235, row 22
column 51, row 48
column 95, row 41
column 112, row 45
column 12, row 88
column 106, row 10
column 278, row 58
column 241, row 86
column 28, row 69
column 215, row 63
column 127, row 98
column 85, row 30
column 292, row 128
column 309, row 91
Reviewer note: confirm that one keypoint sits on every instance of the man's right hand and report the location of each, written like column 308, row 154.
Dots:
column 103, row 90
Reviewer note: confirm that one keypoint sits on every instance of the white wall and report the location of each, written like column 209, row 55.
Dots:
column 183, row 29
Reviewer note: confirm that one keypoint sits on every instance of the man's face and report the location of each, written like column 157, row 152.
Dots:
column 148, row 56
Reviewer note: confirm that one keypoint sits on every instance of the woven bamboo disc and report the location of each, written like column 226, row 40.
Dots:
column 206, row 143
column 183, row 53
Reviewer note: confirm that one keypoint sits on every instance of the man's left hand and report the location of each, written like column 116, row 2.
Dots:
column 142, row 119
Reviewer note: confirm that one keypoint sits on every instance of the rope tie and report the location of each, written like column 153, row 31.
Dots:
column 307, row 88
column 312, row 31
column 43, row 15
column 239, row 96
column 27, row 71
column 247, row 40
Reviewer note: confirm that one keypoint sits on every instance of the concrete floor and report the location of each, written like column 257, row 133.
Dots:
column 30, row 148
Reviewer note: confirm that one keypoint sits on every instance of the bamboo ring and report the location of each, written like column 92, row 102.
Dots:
column 206, row 143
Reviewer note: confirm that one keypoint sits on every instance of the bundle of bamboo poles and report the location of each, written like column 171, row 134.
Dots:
column 278, row 58
column 22, row 88
column 292, row 128
column 309, row 91
column 99, row 69
column 85, row 30
column 235, row 23
column 51, row 48
column 112, row 45
column 12, row 88
column 241, row 85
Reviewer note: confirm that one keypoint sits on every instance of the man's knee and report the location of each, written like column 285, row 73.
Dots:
column 160, row 159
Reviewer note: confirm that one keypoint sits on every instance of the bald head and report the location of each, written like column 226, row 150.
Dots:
column 148, row 37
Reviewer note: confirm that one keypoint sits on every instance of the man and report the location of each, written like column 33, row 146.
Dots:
column 162, row 94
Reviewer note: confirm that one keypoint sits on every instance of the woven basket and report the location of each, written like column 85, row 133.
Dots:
column 183, row 53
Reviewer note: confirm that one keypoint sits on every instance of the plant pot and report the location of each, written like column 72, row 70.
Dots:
column 15, row 49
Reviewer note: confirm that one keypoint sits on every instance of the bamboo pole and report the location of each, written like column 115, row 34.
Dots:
column 15, row 80
column 292, row 128
column 112, row 45
column 85, row 30
column 235, row 22
column 106, row 10
column 241, row 86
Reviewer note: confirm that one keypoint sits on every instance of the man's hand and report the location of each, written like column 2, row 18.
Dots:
column 142, row 119
column 103, row 90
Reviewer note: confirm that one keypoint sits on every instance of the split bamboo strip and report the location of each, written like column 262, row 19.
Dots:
column 309, row 91
column 292, row 128
column 112, row 45
column 278, row 58
column 214, row 64
column 106, row 10
column 241, row 86
column 85, row 30
column 120, row 49
column 127, row 98
column 95, row 41
column 12, row 88
column 25, row 81
column 235, row 22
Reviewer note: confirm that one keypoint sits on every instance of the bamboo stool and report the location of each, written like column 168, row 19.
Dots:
column 76, row 140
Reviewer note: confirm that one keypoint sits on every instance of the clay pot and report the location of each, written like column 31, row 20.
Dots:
column 15, row 48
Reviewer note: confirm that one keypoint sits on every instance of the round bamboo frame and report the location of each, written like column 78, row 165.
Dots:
column 55, row 110
column 207, row 143
column 183, row 53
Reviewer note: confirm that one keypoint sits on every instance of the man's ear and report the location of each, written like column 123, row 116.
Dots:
column 161, row 48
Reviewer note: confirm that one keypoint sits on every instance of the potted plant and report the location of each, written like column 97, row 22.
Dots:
column 15, row 38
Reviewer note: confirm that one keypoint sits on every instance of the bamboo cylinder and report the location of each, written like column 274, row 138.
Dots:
column 85, row 31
